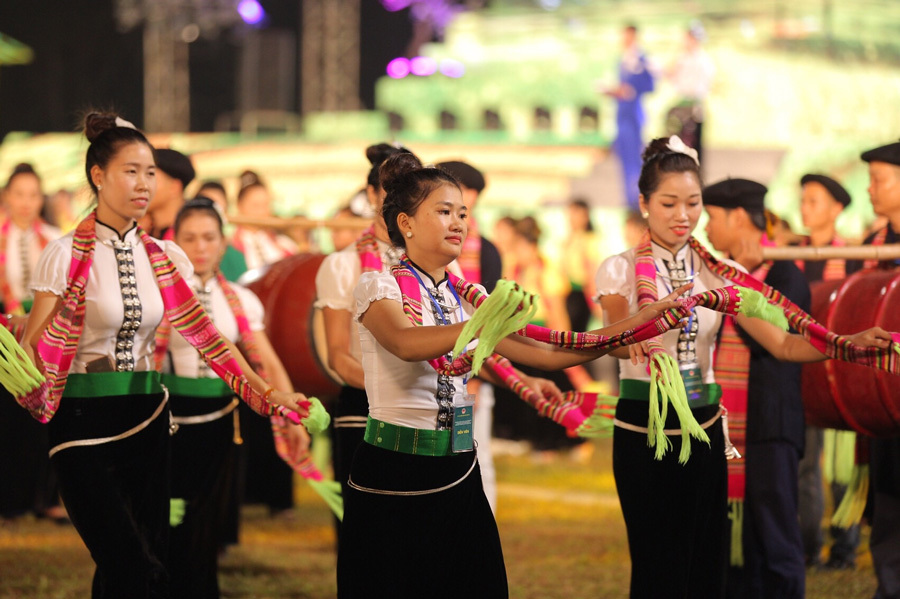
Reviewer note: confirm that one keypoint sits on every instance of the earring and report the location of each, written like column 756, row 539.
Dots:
column 409, row 233
column 99, row 187
column 645, row 214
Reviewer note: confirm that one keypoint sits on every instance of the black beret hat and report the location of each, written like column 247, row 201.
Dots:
column 466, row 174
column 836, row 190
column 889, row 153
column 736, row 193
column 175, row 164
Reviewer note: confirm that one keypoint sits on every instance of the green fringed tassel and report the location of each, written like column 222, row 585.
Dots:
column 755, row 305
column 318, row 419
column 839, row 450
column 736, row 515
column 330, row 491
column 599, row 425
column 850, row 511
column 665, row 381
column 497, row 317
column 17, row 373
column 177, row 508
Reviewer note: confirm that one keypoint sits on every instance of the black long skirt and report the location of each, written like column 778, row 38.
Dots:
column 203, row 464
column 675, row 514
column 442, row 544
column 117, row 493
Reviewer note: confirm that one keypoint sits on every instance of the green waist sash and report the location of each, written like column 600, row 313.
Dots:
column 407, row 440
column 640, row 390
column 109, row 384
column 199, row 387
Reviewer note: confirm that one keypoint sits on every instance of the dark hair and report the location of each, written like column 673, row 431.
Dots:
column 377, row 154
column 212, row 185
column 659, row 160
column 407, row 184
column 582, row 204
column 198, row 205
column 106, row 137
column 23, row 168
column 528, row 229
column 249, row 180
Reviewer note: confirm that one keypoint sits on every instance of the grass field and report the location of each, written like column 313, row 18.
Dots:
column 563, row 537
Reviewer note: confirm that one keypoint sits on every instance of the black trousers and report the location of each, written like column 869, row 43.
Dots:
column 348, row 428
column 203, row 462
column 675, row 514
column 439, row 545
column 267, row 479
column 27, row 482
column 117, row 493
column 774, row 565
column 885, row 539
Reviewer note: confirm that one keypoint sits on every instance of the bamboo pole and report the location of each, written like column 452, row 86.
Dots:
column 299, row 222
column 828, row 252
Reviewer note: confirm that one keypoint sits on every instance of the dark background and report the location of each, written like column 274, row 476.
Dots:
column 82, row 61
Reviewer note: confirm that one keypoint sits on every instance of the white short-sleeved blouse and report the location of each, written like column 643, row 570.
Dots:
column 185, row 359
column 401, row 392
column 337, row 278
column 15, row 265
column 104, row 307
column 616, row 277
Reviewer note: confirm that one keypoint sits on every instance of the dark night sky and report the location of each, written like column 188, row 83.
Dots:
column 83, row 61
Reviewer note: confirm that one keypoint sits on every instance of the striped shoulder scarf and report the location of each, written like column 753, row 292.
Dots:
column 59, row 342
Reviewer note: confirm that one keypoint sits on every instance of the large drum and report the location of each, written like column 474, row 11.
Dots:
column 287, row 290
column 848, row 396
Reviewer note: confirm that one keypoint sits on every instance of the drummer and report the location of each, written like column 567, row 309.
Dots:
column 773, row 551
column 884, row 192
column 822, row 201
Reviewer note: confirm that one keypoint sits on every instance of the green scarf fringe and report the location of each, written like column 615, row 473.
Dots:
column 599, row 425
column 177, row 508
column 330, row 491
column 17, row 373
column 850, row 511
column 508, row 309
column 736, row 515
column 755, row 305
column 667, row 387
column 839, row 450
column 318, row 419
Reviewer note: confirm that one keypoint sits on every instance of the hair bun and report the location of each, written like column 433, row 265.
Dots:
column 97, row 123
column 393, row 169
column 379, row 153
column 655, row 149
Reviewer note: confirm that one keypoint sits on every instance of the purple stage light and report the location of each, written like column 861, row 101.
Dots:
column 452, row 68
column 395, row 5
column 251, row 11
column 398, row 68
column 423, row 66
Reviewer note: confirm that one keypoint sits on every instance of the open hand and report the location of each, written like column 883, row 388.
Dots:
column 543, row 387
column 670, row 302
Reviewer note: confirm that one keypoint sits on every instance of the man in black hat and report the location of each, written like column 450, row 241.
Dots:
column 822, row 200
column 884, row 459
column 773, row 551
column 480, row 263
column 174, row 172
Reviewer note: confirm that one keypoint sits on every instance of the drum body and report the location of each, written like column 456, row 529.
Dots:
column 287, row 290
column 848, row 396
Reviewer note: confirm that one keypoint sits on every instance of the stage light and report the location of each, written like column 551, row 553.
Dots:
column 398, row 68
column 251, row 12
column 452, row 68
column 422, row 66
column 395, row 5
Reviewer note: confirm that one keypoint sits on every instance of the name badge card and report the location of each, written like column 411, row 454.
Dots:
column 463, row 438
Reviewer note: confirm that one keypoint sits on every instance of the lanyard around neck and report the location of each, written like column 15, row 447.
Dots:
column 438, row 310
